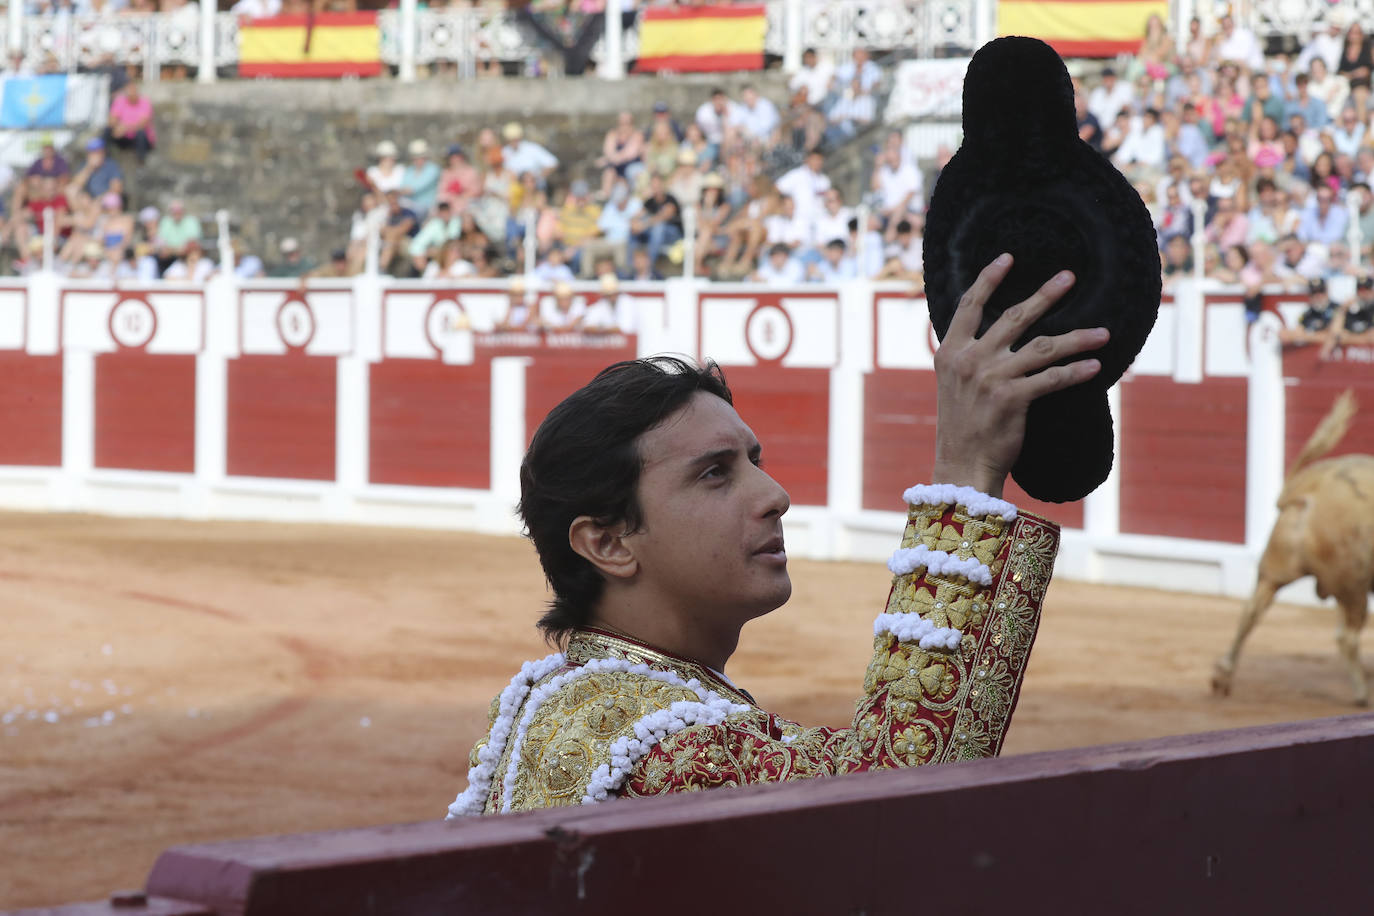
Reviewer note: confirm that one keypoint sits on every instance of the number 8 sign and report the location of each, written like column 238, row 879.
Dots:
column 133, row 323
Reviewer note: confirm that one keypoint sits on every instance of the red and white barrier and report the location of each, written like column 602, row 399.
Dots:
column 404, row 403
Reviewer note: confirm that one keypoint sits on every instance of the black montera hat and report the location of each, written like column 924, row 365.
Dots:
column 1365, row 282
column 1316, row 285
column 1023, row 182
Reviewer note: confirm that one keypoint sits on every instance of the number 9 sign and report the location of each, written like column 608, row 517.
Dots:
column 295, row 323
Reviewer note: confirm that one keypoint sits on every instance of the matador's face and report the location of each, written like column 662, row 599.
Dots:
column 710, row 544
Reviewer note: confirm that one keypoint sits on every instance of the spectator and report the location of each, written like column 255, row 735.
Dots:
column 1324, row 220
column 562, row 311
column 661, row 152
column 1110, row 98
column 386, row 174
column 779, row 268
column 578, row 220
column 903, row 255
column 1264, row 148
column 661, row 113
column 685, row 181
column 1143, row 152
column 1297, row 262
column 1327, row 87
column 1364, row 212
column 294, row 263
column 450, row 264
column 519, row 314
column 1355, row 62
column 899, row 185
column 695, row 141
column 554, row 268
column 784, row 227
column 858, row 66
column 613, row 312
column 87, row 265
column 712, row 212
column 192, row 266
column 613, row 226
column 1089, row 130
column 116, row 266
column 806, row 185
column 178, row 229
column 1356, row 322
column 247, row 266
column 459, row 183
column 400, row 226
column 1178, row 260
column 1176, row 217
column 1326, row 45
column 420, row 183
column 1315, row 322
column 747, row 228
column 99, row 170
column 758, row 117
column 814, row 78
column 716, row 116
column 521, row 155
column 642, row 269
column 835, row 265
column 1233, row 261
column 1263, row 102
column 1270, row 219
column 256, row 9
column 131, row 122
column 1312, row 109
column 852, row 112
column 50, row 163
column 441, row 227
column 659, row 222
column 45, row 203
column 622, row 153
column 1348, row 135
column 1238, row 44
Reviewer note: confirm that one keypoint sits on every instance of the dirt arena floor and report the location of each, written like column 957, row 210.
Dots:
column 170, row 682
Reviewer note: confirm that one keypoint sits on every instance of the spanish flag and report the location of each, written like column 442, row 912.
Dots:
column 701, row 38
column 1081, row 28
column 323, row 45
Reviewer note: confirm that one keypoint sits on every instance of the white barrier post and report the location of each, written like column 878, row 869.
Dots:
column 613, row 67
column 409, row 32
column 792, row 13
column 205, row 70
column 1199, row 239
column 1354, row 232
column 689, row 241
column 226, row 243
column 16, row 28
column 531, row 244
column 1266, row 410
column 984, row 26
column 372, row 265
column 507, row 436
column 49, row 240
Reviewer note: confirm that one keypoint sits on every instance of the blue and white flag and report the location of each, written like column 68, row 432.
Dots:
column 54, row 100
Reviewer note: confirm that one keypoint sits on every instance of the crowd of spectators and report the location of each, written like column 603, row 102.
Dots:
column 480, row 209
column 1259, row 163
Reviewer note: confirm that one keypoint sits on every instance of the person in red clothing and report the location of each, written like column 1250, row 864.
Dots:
column 660, row 533
column 44, row 200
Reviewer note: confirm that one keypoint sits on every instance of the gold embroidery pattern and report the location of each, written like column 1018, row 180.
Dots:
column 919, row 706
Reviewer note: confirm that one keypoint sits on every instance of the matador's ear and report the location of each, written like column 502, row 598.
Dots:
column 602, row 546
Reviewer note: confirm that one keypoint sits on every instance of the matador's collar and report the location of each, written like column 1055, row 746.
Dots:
column 587, row 643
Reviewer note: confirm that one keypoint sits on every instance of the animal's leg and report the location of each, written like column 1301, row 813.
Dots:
column 1225, row 667
column 1353, row 614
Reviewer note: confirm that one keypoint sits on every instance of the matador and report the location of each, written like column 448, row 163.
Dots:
column 660, row 533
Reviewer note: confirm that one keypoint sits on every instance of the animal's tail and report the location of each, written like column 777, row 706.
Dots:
column 1328, row 433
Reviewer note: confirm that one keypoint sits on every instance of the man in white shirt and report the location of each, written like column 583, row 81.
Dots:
column 1349, row 134
column 1238, row 44
column 521, row 155
column 868, row 73
column 852, row 112
column 717, row 115
column 900, row 185
column 758, row 116
column 779, row 268
column 832, row 222
column 1144, row 148
column 835, row 265
column 814, row 77
column 1109, row 98
column 256, row 9
column 805, row 185
column 786, row 229
column 1326, row 45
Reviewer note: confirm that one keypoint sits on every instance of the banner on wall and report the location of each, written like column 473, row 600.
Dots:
column 1081, row 28
column 325, row 45
column 701, row 38
column 927, row 89
column 54, row 101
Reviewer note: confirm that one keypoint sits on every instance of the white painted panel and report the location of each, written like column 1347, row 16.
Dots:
column 722, row 329
column 1157, row 356
column 815, row 332
column 13, row 303
column 1226, row 355
column 904, row 334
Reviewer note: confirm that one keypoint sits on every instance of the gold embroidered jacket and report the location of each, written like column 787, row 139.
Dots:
column 615, row 717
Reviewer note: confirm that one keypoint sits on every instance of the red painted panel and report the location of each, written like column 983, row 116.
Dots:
column 899, row 445
column 1314, row 385
column 1183, row 458
column 281, row 416
column 899, row 435
column 551, row 377
column 31, row 403
column 430, row 424
column 789, row 411
column 145, row 411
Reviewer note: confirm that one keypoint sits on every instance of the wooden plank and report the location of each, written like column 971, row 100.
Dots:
column 1253, row 820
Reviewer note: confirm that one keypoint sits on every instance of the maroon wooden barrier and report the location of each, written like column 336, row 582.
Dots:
column 281, row 414
column 145, row 411
column 430, row 424
column 789, row 412
column 1259, row 820
column 31, row 403
column 1183, row 458
column 1318, row 383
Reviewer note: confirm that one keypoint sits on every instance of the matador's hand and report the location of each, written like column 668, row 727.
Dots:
column 985, row 387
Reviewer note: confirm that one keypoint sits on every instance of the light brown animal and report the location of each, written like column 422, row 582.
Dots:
column 1325, row 529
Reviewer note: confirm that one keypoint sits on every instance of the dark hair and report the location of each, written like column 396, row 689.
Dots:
column 584, row 460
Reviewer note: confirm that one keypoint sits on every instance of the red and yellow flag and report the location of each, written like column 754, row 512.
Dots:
column 324, row 45
column 1081, row 28
column 701, row 38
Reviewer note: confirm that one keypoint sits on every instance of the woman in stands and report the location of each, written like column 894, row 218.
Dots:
column 660, row 155
column 1356, row 64
column 747, row 229
column 386, row 174
column 712, row 212
column 622, row 154
column 1330, row 88
column 1324, row 171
